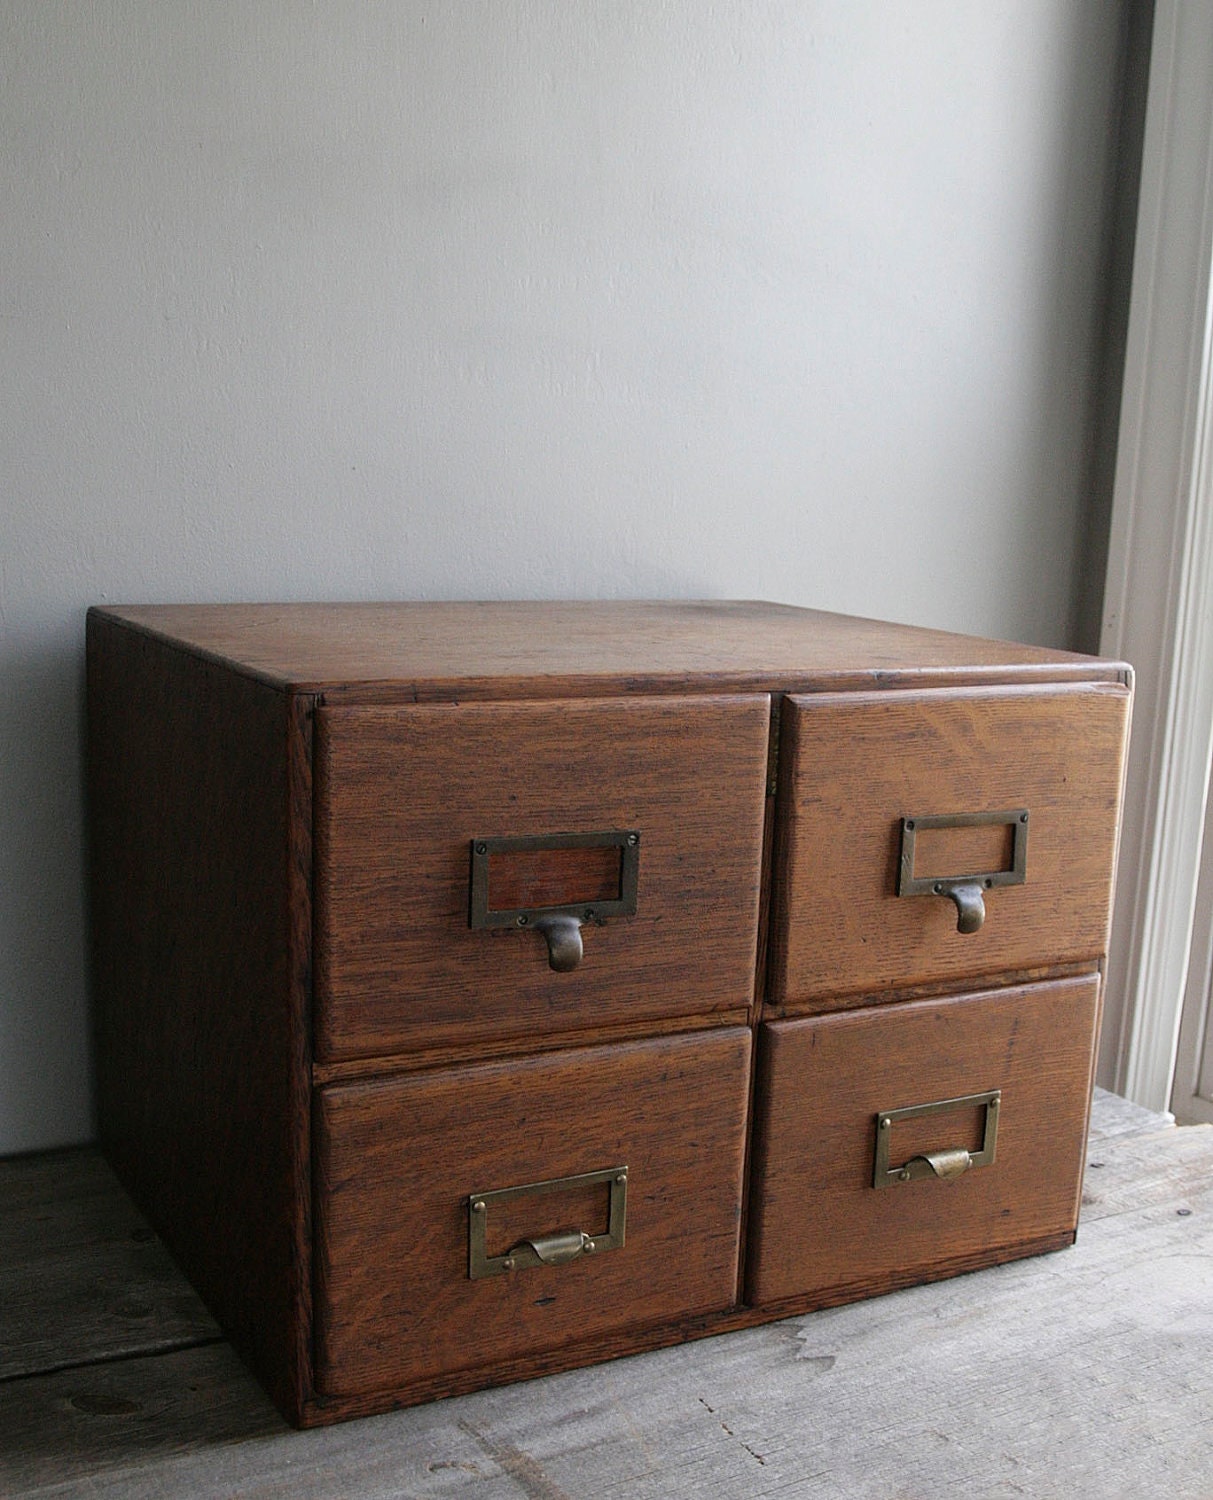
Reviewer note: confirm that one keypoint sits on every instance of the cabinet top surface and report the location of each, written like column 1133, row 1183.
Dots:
column 438, row 649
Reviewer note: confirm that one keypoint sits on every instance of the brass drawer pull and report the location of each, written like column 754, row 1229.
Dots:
column 947, row 1164
column 558, row 924
column 555, row 1249
column 548, row 1249
column 563, row 937
column 966, row 891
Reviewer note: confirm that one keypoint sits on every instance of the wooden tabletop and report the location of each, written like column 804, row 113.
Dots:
column 1083, row 1375
column 433, row 651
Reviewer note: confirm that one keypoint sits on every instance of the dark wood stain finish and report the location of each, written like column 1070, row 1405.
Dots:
column 444, row 652
column 822, row 1229
column 199, row 806
column 855, row 765
column 401, row 792
column 276, row 789
column 395, row 1304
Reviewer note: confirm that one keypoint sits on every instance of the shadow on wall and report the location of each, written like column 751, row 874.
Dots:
column 46, row 1097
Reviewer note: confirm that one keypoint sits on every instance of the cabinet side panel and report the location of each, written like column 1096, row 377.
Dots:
column 199, row 787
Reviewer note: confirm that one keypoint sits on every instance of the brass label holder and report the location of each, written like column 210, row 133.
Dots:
column 559, row 926
column 965, row 891
column 549, row 1249
column 953, row 1161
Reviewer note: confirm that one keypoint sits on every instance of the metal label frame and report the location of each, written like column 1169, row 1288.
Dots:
column 524, row 1254
column 883, row 1175
column 626, row 840
column 909, row 884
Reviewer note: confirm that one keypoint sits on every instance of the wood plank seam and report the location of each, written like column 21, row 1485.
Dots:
column 123, row 1357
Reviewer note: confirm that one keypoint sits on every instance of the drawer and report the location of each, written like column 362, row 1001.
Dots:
column 1012, row 1069
column 989, row 779
column 401, row 1161
column 647, row 813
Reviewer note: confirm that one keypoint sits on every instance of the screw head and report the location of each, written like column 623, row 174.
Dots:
column 478, row 1206
column 633, row 839
column 523, row 920
column 482, row 848
column 508, row 1263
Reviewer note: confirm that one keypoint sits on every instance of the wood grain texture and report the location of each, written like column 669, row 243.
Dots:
column 1150, row 1171
column 82, row 1277
column 401, row 793
column 63, row 1433
column 1113, row 1115
column 816, row 1222
column 397, row 1161
column 198, row 782
column 853, row 766
column 1074, row 1377
column 58, row 1202
column 432, row 652
column 553, row 877
column 533, row 1045
column 441, row 1051
column 624, row 1343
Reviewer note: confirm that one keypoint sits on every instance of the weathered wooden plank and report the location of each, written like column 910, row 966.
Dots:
column 100, row 1421
column 82, row 1277
column 61, row 1200
column 114, row 1302
column 1112, row 1115
column 1134, row 1173
column 1082, row 1374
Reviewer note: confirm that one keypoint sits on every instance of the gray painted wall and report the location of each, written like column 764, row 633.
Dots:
column 503, row 298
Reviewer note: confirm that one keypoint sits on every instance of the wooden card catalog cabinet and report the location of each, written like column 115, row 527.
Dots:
column 488, row 989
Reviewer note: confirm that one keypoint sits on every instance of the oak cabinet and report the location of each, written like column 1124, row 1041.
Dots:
column 484, row 990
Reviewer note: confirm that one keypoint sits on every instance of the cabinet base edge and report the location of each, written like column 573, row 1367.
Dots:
column 319, row 1411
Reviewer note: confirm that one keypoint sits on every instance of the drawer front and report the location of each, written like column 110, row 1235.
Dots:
column 400, row 1163
column 1027, row 777
column 1012, row 1070
column 646, row 812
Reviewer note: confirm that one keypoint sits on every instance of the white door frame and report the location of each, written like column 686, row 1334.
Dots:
column 1192, row 1091
column 1158, row 601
